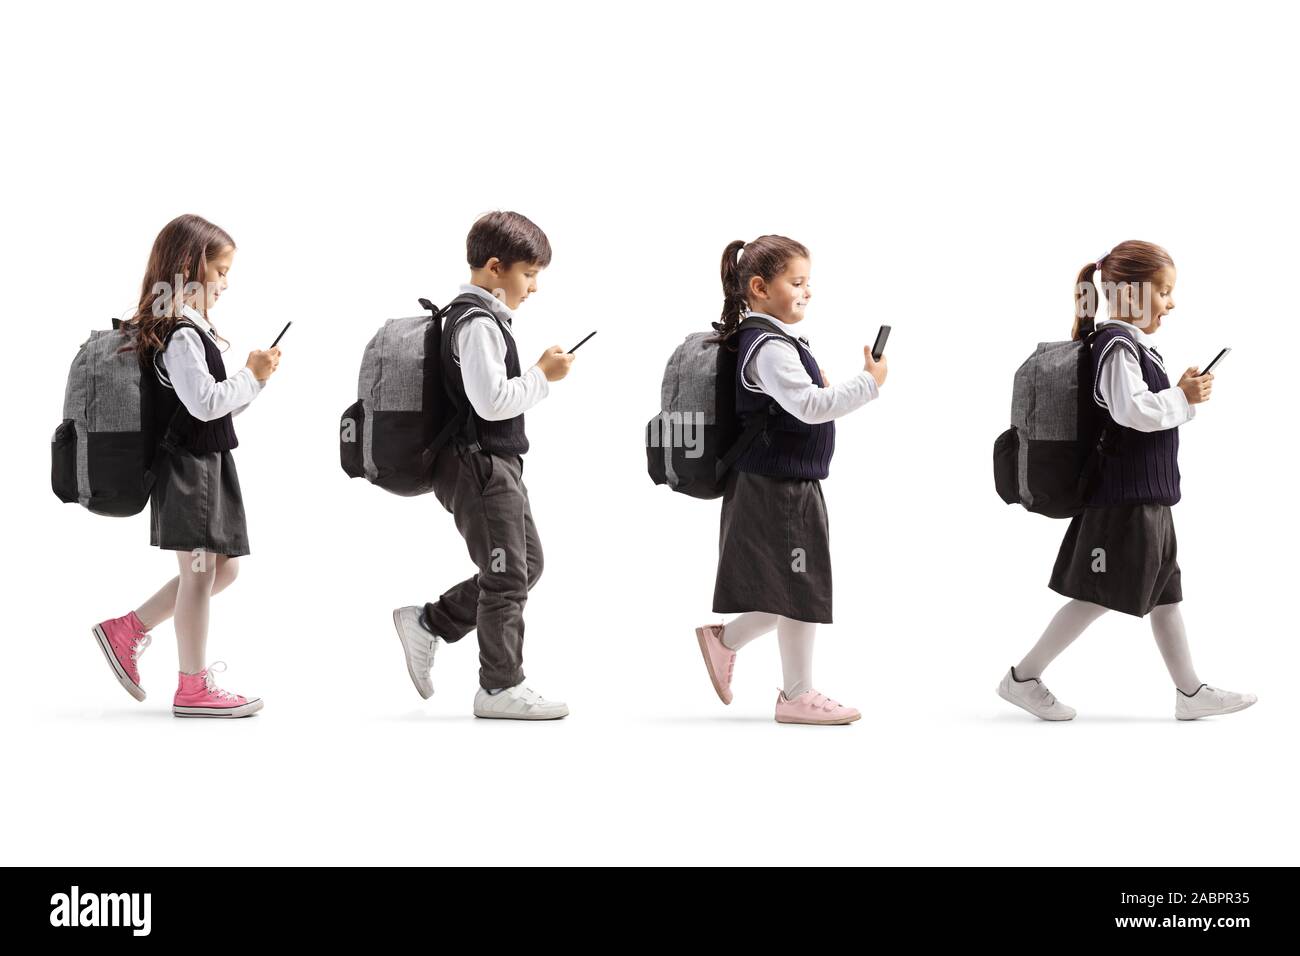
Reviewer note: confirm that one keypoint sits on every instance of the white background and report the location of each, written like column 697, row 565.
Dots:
column 950, row 167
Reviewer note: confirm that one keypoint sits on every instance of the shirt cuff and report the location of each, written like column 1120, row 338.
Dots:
column 546, row 386
column 253, row 378
column 1187, row 406
column 873, row 389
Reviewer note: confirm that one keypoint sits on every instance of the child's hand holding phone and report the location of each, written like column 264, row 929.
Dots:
column 555, row 363
column 263, row 362
column 876, row 364
column 1196, row 386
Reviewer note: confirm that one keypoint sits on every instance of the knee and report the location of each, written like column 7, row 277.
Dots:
column 505, row 577
column 227, row 571
column 535, row 565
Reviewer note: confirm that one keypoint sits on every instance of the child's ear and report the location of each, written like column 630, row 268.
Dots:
column 757, row 287
column 493, row 265
column 1123, row 302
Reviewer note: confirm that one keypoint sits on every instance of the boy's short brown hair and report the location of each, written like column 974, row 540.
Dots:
column 509, row 237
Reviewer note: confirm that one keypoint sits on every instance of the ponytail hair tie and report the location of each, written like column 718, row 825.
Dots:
column 1097, row 265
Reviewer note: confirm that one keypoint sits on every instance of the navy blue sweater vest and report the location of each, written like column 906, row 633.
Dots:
column 1140, row 467
column 786, row 447
column 198, row 436
column 506, row 437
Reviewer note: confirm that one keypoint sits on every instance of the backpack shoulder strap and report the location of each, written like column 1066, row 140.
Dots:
column 756, row 423
column 769, row 332
column 464, row 306
column 467, row 306
column 1120, row 339
column 160, row 371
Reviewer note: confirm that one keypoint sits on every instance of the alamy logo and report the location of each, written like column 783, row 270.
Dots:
column 679, row 430
column 102, row 909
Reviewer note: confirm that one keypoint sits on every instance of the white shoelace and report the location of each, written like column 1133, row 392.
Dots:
column 142, row 641
column 211, row 683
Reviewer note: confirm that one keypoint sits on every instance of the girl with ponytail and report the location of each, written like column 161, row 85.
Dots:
column 1121, row 553
column 774, row 568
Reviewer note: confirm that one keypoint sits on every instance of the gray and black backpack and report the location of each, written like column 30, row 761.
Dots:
column 103, row 452
column 1049, row 458
column 403, row 414
column 696, row 437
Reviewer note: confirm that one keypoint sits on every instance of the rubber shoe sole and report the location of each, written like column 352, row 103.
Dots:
column 131, row 687
column 723, row 695
column 1217, row 713
column 830, row 722
column 243, row 710
column 397, row 625
column 1011, row 700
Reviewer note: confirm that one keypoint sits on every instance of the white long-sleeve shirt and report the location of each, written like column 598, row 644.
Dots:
column 779, row 372
column 1126, row 395
column 186, row 367
column 479, row 349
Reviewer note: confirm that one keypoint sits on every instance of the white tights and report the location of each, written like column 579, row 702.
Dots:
column 1072, row 619
column 185, row 597
column 795, row 639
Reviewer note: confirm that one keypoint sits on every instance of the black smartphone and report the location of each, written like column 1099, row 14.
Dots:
column 1217, row 359
column 281, row 335
column 576, row 347
column 882, row 337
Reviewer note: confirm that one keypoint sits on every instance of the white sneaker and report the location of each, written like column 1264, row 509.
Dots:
column 518, row 703
column 1032, row 695
column 418, row 645
column 1208, row 701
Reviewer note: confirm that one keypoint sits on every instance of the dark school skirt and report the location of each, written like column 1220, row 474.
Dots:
column 1123, row 557
column 196, row 503
column 774, row 550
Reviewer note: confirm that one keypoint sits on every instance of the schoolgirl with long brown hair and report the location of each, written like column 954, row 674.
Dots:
column 196, row 507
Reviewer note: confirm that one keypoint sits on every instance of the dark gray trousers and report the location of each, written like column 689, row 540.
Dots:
column 486, row 496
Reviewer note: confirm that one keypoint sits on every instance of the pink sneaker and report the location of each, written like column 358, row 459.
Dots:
column 718, row 658
column 812, row 707
column 123, row 640
column 198, row 695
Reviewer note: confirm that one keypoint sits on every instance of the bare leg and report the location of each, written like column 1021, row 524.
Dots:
column 796, row 641
column 162, row 605
column 742, row 629
column 1171, row 638
column 1070, row 621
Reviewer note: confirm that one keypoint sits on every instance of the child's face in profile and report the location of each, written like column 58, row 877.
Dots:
column 216, row 282
column 514, row 284
column 1154, row 302
column 787, row 295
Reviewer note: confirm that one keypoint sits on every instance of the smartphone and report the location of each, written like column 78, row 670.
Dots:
column 281, row 335
column 1217, row 359
column 576, row 347
column 882, row 337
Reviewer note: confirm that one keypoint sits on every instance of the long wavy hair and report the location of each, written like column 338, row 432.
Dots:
column 765, row 257
column 1133, row 262
column 183, row 248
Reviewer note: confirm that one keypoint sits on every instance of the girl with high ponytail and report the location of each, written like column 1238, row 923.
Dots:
column 774, row 567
